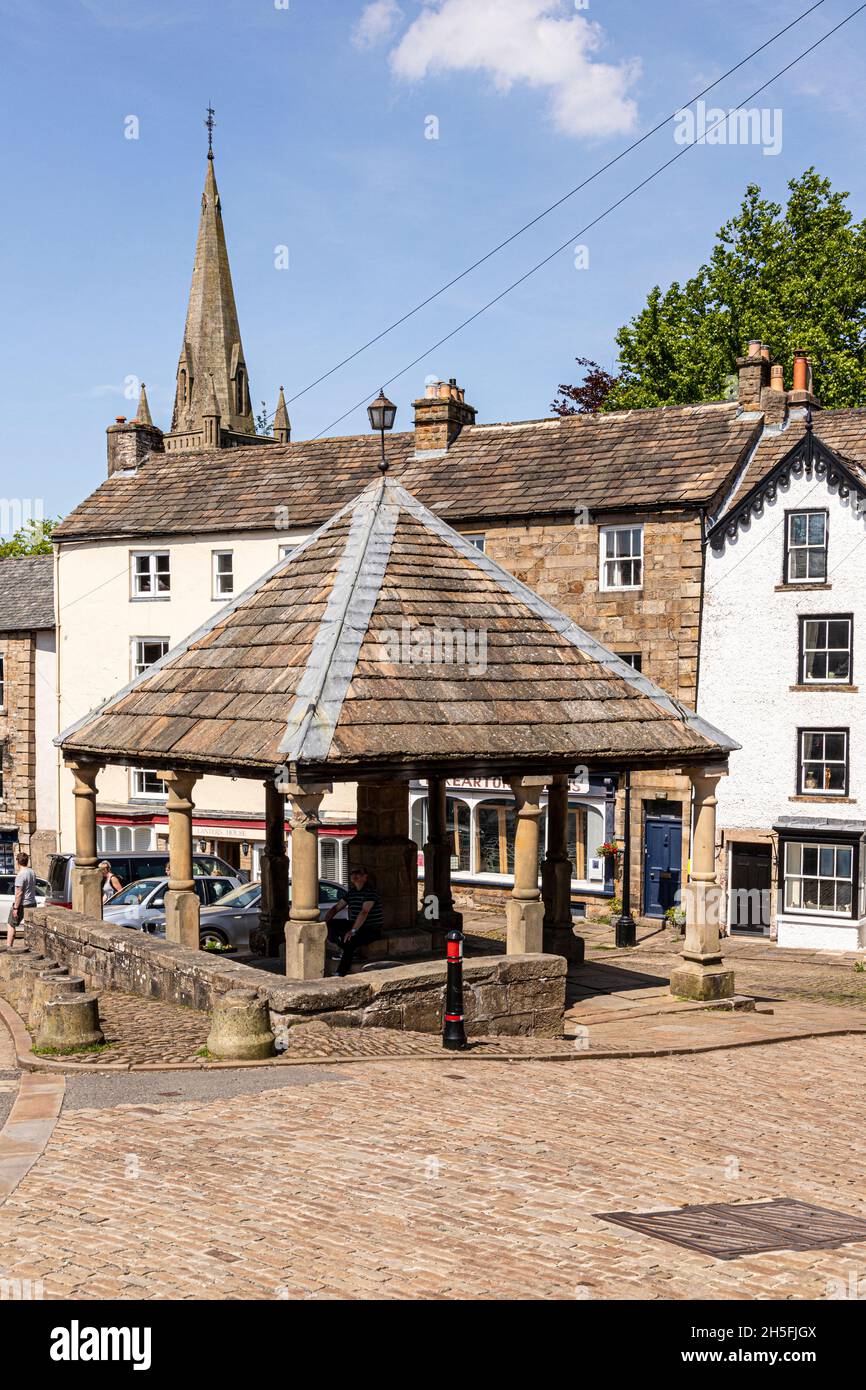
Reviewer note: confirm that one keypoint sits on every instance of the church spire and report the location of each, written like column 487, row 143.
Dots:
column 142, row 415
column 282, row 423
column 212, row 337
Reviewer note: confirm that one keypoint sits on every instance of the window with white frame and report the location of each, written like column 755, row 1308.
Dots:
column 146, row 783
column 223, row 573
column 621, row 557
column 146, row 651
column 115, row 839
column 819, row 878
column 825, row 651
column 632, row 659
column 476, row 538
column 823, row 762
column 151, row 574
column 806, row 547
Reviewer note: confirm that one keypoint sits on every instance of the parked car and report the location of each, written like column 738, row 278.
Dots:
column 231, row 920
column 129, row 868
column 141, row 905
column 7, row 895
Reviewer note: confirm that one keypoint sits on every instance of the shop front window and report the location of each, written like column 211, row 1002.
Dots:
column 330, row 858
column 585, row 834
column 458, row 826
column 495, row 827
column 819, row 878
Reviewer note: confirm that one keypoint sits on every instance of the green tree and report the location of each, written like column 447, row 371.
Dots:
column 792, row 277
column 33, row 538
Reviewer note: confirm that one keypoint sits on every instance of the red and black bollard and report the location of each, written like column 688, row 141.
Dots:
column 454, row 1032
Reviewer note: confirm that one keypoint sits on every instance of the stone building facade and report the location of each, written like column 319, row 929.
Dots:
column 604, row 516
column 28, row 819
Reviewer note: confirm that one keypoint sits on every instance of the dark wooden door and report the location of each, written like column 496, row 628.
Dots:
column 751, row 876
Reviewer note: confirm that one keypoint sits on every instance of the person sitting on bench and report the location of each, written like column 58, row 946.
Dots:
column 364, row 918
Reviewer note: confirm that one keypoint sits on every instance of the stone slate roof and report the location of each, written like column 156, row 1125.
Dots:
column 843, row 431
column 322, row 663
column 27, row 593
column 682, row 455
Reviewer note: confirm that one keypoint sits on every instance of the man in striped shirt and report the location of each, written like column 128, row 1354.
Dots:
column 365, row 918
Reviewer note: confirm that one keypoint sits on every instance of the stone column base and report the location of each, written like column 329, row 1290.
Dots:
column 525, row 923
column 561, row 941
column 305, row 950
column 693, row 981
column 182, row 909
column 87, row 891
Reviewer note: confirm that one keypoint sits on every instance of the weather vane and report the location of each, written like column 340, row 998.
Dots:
column 210, row 123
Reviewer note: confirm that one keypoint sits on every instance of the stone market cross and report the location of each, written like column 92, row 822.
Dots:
column 307, row 678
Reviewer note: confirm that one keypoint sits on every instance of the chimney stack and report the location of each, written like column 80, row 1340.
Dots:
column 440, row 415
column 130, row 441
column 754, row 374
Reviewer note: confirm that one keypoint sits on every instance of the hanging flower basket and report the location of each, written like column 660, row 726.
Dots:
column 610, row 850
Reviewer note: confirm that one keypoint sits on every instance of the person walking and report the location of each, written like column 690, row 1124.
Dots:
column 365, row 918
column 111, row 884
column 24, row 899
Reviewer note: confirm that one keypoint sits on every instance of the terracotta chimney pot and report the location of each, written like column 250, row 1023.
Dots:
column 801, row 370
column 777, row 377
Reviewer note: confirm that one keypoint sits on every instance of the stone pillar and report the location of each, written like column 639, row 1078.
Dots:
column 382, row 845
column 86, row 878
column 559, row 936
column 702, row 974
column 182, row 906
column 437, row 865
column 524, row 912
column 275, row 874
column 306, row 933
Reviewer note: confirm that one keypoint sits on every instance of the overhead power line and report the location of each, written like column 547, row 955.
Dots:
column 388, row 381
column 488, row 255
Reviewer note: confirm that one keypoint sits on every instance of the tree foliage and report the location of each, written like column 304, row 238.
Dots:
column 33, row 538
column 590, row 396
column 792, row 277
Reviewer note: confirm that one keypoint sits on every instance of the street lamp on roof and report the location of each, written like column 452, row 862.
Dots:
column 382, row 413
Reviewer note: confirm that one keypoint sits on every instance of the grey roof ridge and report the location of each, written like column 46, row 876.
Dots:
column 206, row 627
column 343, row 627
column 561, row 623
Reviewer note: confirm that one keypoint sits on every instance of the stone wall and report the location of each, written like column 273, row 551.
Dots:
column 560, row 560
column 502, row 994
column 18, row 735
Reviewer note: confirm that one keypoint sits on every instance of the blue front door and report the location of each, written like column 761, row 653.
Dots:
column 663, row 847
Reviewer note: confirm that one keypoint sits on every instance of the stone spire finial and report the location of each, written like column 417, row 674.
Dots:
column 143, row 413
column 212, row 337
column 282, row 423
column 211, row 417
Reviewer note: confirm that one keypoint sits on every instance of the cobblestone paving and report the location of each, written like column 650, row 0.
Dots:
column 145, row 1030
column 431, row 1181
column 760, row 967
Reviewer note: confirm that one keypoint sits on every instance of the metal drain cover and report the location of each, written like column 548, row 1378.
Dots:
column 728, row 1230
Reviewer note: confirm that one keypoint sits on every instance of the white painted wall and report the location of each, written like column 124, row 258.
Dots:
column 46, row 728
column 98, row 618
column 749, row 651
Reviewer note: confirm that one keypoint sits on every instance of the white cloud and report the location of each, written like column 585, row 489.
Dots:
column 377, row 23
column 543, row 43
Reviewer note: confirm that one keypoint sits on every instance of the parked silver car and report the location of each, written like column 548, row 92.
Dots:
column 7, row 895
column 230, row 921
column 141, row 905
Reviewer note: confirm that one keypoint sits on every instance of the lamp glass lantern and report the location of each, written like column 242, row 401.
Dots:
column 382, row 413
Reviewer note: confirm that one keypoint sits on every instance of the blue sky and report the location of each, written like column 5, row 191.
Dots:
column 322, row 108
